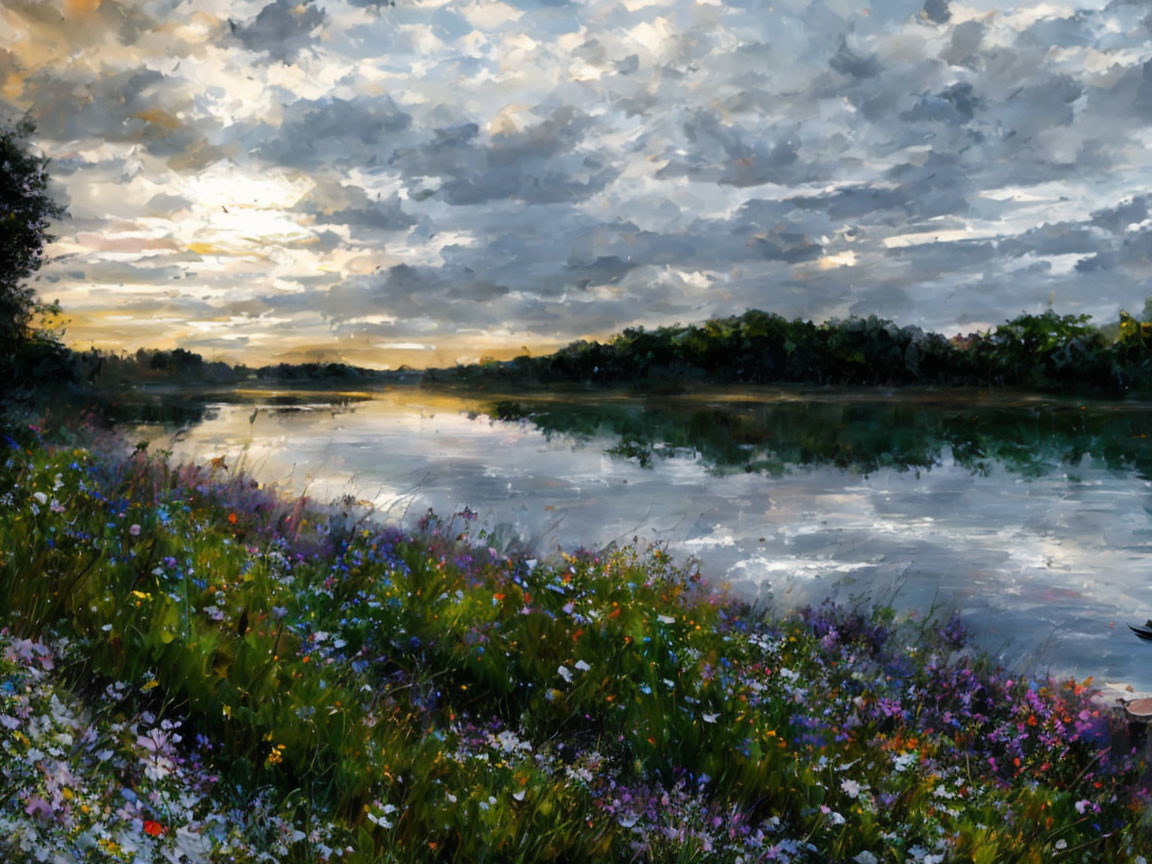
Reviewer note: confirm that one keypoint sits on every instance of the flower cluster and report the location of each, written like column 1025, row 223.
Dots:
column 98, row 779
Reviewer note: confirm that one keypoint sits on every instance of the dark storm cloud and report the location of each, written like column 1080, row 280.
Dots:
column 332, row 202
column 854, row 202
column 282, row 29
column 138, row 105
column 543, row 163
column 956, row 104
column 381, row 215
column 1058, row 239
column 937, row 11
column 927, row 261
column 790, row 246
column 964, row 44
column 407, row 291
column 111, row 106
column 334, row 132
column 940, row 185
column 1131, row 253
column 731, row 155
column 854, row 65
column 1126, row 212
column 1034, row 109
column 603, row 270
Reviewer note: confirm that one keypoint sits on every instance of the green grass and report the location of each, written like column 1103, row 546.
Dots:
column 338, row 689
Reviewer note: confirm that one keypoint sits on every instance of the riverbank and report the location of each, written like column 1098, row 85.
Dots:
column 182, row 642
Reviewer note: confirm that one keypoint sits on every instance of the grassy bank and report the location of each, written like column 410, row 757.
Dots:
column 195, row 668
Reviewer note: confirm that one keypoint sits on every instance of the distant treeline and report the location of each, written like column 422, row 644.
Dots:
column 1045, row 351
column 54, row 363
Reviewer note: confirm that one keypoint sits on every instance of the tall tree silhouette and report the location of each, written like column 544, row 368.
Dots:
column 26, row 211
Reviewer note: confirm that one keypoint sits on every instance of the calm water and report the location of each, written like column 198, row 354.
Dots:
column 1032, row 518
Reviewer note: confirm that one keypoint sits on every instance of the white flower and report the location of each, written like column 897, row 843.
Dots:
column 41, row 497
column 565, row 673
column 509, row 742
column 582, row 666
column 710, row 718
column 519, row 796
column 851, row 788
column 865, row 858
column 903, row 761
column 665, row 619
column 1061, row 845
column 1081, row 806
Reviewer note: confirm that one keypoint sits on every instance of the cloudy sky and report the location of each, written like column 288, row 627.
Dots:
column 431, row 181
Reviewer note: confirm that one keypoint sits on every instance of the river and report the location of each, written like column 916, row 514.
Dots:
column 1031, row 517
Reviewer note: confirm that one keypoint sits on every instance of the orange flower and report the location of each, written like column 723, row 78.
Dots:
column 154, row 829
column 232, row 518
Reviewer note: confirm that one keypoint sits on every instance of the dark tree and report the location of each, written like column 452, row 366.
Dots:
column 26, row 210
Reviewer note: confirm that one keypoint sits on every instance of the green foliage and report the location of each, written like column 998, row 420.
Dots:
column 1045, row 351
column 26, row 211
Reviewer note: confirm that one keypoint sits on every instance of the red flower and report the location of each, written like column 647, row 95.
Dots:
column 154, row 829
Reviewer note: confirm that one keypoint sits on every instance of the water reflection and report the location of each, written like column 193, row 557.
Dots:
column 906, row 431
column 1031, row 517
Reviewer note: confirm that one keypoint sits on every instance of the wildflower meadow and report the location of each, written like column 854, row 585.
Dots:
column 196, row 668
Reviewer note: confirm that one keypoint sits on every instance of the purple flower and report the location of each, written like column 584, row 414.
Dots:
column 39, row 808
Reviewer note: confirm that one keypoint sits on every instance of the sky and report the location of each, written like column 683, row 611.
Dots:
column 427, row 182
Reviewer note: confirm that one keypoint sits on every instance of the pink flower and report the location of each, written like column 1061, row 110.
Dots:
column 134, row 530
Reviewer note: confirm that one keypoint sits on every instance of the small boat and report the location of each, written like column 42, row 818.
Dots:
column 1144, row 631
column 1141, row 708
